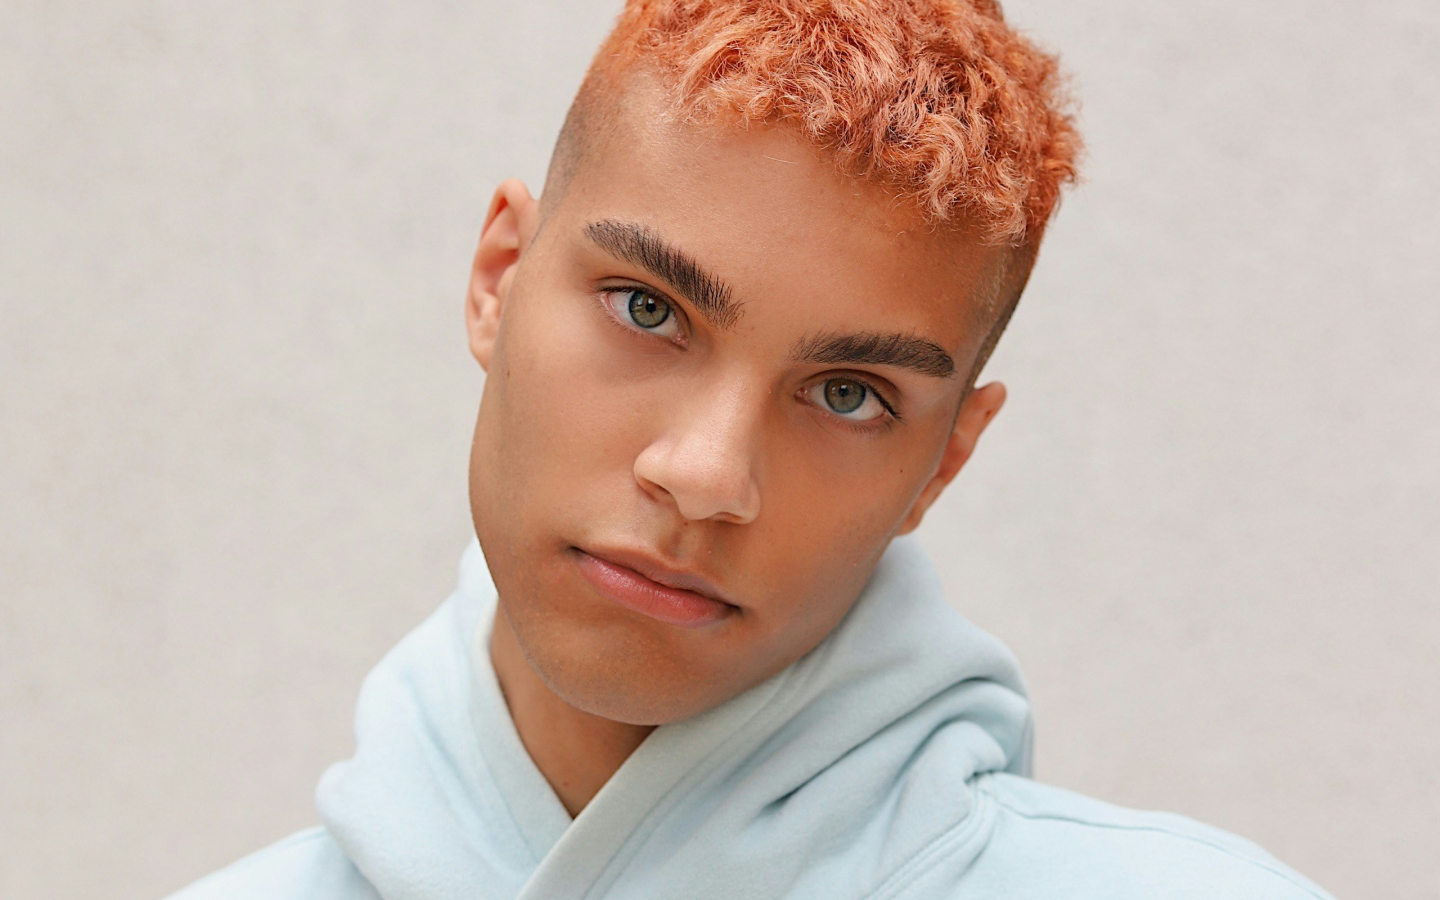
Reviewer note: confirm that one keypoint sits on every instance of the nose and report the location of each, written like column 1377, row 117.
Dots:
column 703, row 460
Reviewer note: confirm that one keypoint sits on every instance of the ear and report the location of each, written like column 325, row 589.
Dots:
column 510, row 225
column 979, row 407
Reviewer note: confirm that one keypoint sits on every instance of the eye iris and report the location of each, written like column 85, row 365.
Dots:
column 648, row 311
column 844, row 395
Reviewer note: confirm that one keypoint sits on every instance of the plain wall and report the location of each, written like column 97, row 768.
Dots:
column 235, row 406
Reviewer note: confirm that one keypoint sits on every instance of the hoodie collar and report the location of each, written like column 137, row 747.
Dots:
column 764, row 781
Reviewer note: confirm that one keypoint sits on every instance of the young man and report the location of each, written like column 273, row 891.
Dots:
column 730, row 360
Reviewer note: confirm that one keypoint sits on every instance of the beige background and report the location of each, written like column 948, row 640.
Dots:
column 235, row 403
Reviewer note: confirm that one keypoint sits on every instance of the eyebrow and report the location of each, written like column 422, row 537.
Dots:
column 638, row 245
column 876, row 349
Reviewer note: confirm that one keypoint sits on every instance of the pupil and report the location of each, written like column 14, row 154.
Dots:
column 844, row 396
column 647, row 311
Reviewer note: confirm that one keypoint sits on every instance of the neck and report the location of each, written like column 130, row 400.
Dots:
column 576, row 751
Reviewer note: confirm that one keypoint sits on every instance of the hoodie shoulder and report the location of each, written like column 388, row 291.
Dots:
column 308, row 865
column 1050, row 842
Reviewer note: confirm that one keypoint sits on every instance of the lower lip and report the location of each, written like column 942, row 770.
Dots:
column 634, row 591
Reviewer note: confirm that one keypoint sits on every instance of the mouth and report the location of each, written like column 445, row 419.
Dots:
column 644, row 585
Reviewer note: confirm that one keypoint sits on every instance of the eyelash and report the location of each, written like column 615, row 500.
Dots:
column 883, row 423
column 614, row 317
column 879, row 424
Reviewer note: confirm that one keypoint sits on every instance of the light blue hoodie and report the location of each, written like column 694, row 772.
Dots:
column 887, row 764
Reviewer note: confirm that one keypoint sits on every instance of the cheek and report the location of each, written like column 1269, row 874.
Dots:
column 829, row 514
column 573, row 404
column 838, row 494
column 571, row 400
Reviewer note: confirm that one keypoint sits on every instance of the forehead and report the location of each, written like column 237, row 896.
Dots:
column 772, row 215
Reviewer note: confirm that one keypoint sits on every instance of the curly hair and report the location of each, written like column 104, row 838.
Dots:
column 941, row 100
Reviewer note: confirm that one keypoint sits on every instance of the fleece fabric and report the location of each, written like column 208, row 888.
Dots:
column 889, row 763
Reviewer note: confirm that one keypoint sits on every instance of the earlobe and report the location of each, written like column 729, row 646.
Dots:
column 976, row 412
column 510, row 224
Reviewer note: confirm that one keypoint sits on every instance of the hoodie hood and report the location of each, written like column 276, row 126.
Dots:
column 851, row 773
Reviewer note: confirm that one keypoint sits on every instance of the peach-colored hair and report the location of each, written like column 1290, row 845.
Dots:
column 939, row 99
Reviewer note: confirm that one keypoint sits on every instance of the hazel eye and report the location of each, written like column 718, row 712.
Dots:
column 848, row 398
column 644, row 311
column 647, row 311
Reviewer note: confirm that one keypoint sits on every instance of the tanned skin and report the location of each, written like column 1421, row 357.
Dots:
column 708, row 444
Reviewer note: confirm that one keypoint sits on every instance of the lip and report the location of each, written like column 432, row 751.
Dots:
column 645, row 585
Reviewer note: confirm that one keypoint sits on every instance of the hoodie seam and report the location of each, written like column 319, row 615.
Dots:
column 1156, row 829
column 937, row 848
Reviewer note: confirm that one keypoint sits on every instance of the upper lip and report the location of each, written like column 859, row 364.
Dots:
column 659, row 571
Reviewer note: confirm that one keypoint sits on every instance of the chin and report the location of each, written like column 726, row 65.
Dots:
column 614, row 667
column 617, row 664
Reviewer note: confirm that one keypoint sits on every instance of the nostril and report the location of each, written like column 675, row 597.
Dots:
column 651, row 487
column 700, row 485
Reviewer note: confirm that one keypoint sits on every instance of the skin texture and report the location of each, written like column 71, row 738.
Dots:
column 709, row 448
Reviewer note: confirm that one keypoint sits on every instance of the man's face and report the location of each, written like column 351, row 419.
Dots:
column 723, row 365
